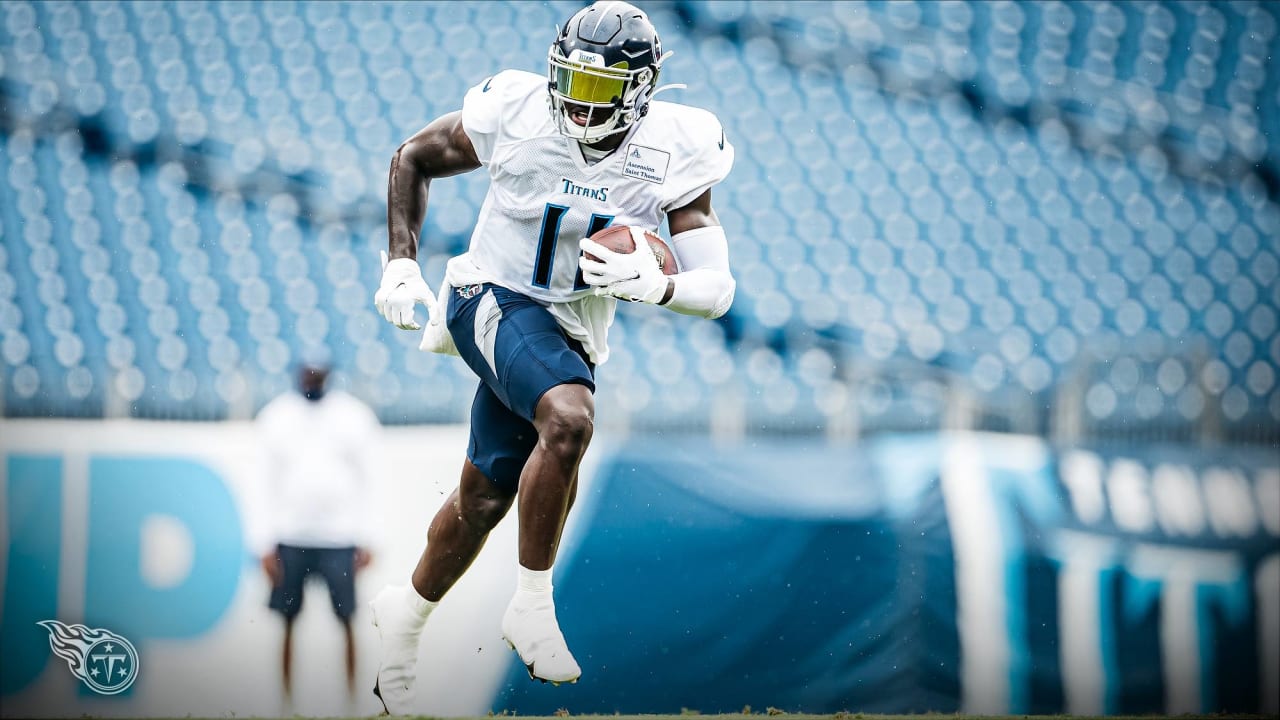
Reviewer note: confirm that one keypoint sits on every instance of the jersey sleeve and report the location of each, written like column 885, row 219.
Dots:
column 491, row 107
column 704, row 157
column 482, row 118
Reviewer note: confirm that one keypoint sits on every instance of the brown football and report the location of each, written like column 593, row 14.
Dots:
column 618, row 239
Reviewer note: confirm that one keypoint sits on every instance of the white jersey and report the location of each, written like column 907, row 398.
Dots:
column 544, row 196
column 316, row 469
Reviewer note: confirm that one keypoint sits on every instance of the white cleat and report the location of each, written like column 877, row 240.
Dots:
column 532, row 631
column 399, row 630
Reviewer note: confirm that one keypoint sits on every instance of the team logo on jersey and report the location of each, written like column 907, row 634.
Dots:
column 570, row 187
column 646, row 163
column 103, row 660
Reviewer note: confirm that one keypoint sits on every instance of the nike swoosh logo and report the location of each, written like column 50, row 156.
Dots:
column 486, row 89
column 721, row 139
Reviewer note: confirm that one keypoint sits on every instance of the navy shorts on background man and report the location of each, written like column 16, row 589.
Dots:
column 336, row 565
column 519, row 351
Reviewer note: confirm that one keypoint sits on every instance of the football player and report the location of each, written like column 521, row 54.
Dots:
column 572, row 152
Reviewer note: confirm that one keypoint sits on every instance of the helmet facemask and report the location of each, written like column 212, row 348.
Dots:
column 608, row 100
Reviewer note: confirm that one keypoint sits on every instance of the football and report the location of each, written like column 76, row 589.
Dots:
column 618, row 238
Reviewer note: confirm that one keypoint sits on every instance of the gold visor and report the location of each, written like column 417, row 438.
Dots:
column 594, row 86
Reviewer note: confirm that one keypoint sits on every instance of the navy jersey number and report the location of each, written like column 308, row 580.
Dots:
column 550, row 233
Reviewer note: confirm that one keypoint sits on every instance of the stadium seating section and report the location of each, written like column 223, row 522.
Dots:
column 992, row 200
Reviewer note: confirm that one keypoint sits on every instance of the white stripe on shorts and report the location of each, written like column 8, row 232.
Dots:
column 486, row 329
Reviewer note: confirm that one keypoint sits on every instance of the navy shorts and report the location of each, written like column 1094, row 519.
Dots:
column 519, row 352
column 337, row 566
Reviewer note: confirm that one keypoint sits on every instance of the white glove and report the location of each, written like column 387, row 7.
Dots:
column 633, row 276
column 402, row 287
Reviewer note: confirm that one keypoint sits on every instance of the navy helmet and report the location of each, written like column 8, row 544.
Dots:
column 602, row 70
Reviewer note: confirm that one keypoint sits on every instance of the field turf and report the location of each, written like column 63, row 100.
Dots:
column 782, row 715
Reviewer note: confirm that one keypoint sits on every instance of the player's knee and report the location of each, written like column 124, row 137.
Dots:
column 480, row 503
column 566, row 421
column 567, row 433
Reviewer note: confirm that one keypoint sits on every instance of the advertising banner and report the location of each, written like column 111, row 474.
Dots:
column 975, row 573
column 967, row 572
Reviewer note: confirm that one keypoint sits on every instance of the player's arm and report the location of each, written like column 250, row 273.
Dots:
column 440, row 149
column 704, row 286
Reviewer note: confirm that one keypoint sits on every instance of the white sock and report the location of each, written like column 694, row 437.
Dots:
column 533, row 583
column 420, row 606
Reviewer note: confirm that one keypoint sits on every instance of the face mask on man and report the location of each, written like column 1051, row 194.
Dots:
column 311, row 382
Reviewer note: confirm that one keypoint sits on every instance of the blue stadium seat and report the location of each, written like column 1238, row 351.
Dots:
column 1001, row 188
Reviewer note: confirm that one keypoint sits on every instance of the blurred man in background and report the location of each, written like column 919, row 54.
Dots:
column 570, row 151
column 317, row 449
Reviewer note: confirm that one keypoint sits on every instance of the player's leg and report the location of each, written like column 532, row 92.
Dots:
column 500, row 441
column 573, row 494
column 548, row 486
column 541, row 378
column 459, row 530
column 544, row 379
column 564, row 422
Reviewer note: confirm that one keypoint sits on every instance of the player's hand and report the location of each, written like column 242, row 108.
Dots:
column 272, row 567
column 363, row 558
column 403, row 287
column 633, row 276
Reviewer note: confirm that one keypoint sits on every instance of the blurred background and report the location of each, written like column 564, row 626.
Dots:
column 1008, row 283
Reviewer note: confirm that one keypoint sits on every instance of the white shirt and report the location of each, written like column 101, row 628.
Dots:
column 544, row 196
column 315, row 472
